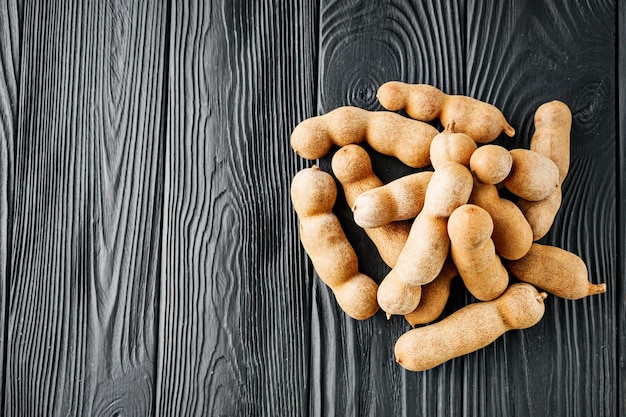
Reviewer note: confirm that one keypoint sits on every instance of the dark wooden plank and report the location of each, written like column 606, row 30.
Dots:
column 620, row 291
column 521, row 55
column 235, row 293
column 363, row 45
column 86, row 229
column 10, row 35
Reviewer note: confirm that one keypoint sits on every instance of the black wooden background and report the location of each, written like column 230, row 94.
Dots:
column 150, row 261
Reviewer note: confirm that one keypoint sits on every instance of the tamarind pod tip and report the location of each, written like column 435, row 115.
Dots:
column 509, row 130
column 597, row 288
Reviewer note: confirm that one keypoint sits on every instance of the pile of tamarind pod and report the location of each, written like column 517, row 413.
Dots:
column 453, row 218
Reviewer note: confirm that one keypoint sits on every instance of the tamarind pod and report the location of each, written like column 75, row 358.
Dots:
column 555, row 270
column 470, row 328
column 313, row 194
column 482, row 121
column 386, row 132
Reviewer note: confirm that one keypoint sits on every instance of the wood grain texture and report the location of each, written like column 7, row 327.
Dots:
column 10, row 48
column 150, row 261
column 519, row 56
column 235, row 289
column 363, row 45
column 86, row 229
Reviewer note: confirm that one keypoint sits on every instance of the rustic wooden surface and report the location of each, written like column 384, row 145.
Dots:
column 235, row 289
column 10, row 25
column 86, row 210
column 150, row 261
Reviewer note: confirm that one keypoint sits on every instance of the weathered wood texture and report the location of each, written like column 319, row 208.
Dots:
column 150, row 261
column 87, row 202
column 10, row 34
column 234, row 302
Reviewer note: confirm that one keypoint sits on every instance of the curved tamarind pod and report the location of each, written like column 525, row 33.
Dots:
column 386, row 132
column 470, row 328
column 553, row 123
column 400, row 199
column 512, row 234
column 474, row 253
column 313, row 193
column 482, row 121
column 556, row 271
